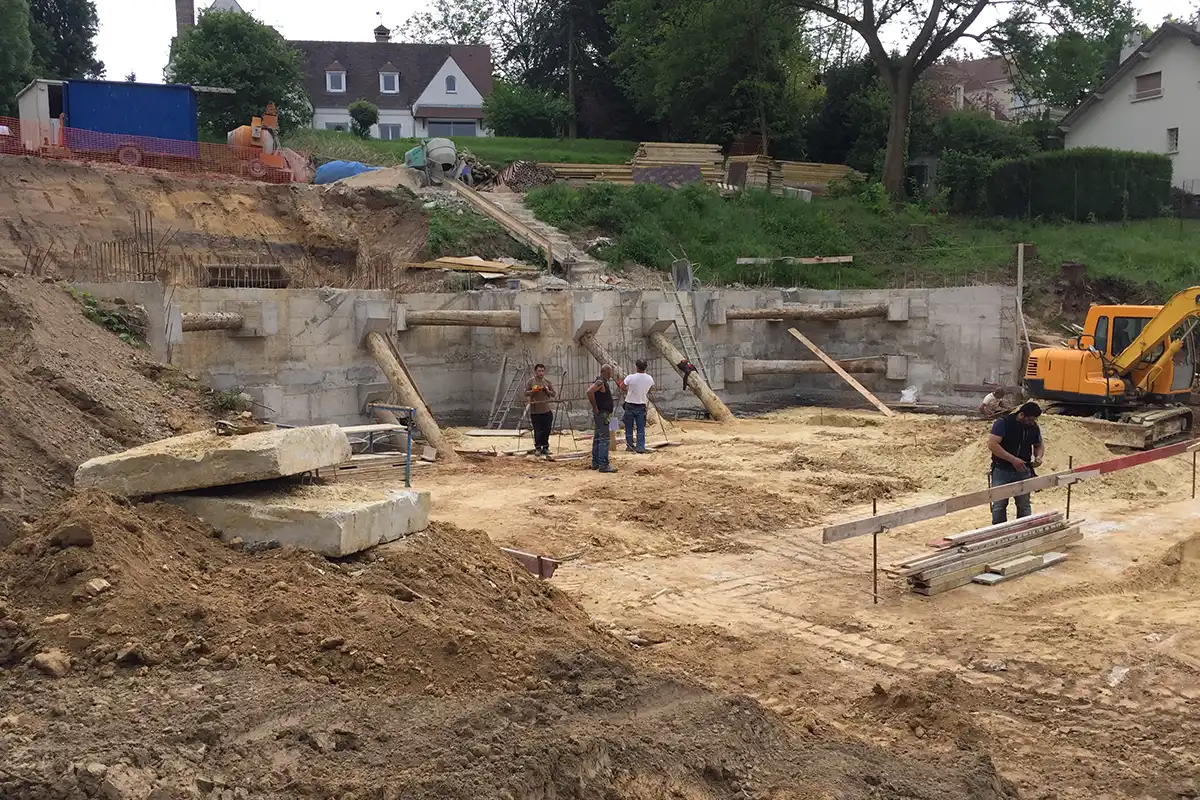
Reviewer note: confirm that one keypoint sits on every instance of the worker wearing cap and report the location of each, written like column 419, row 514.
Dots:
column 1016, row 446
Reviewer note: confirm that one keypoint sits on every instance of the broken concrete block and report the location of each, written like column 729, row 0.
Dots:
column 204, row 459
column 897, row 368
column 531, row 318
column 333, row 520
column 733, row 369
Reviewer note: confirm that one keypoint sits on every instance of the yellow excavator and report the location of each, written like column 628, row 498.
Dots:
column 1128, row 375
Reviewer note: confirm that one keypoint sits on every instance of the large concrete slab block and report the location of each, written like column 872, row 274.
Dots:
column 204, row 459
column 586, row 317
column 334, row 520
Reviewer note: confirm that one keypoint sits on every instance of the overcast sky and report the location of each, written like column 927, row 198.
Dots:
column 135, row 35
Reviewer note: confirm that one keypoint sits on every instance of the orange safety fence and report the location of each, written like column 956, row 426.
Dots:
column 52, row 140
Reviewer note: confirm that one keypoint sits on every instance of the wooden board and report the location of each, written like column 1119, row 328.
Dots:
column 381, row 427
column 846, row 376
column 906, row 516
column 798, row 260
column 933, row 575
column 963, row 576
column 1040, row 563
column 1015, row 566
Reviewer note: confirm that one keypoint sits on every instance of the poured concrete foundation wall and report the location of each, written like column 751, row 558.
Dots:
column 309, row 365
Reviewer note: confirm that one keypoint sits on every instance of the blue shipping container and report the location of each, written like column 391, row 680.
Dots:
column 157, row 119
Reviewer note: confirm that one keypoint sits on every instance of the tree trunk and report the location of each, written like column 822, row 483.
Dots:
column 211, row 321
column 465, row 318
column 806, row 312
column 763, row 367
column 894, row 161
column 716, row 409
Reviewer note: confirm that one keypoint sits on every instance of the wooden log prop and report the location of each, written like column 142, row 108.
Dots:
column 814, row 313
column 716, row 409
column 906, row 516
column 589, row 343
column 858, row 387
column 481, row 319
column 212, row 321
column 861, row 365
column 406, row 391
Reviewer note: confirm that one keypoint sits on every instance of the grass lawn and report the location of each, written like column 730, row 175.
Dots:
column 909, row 246
column 497, row 151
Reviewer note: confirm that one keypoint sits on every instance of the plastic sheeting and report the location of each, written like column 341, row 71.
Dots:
column 336, row 170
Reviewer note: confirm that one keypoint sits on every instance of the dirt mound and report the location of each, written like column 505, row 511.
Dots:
column 967, row 469
column 434, row 668
column 148, row 585
column 71, row 391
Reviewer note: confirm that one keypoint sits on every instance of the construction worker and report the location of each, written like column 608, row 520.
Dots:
column 538, row 394
column 601, row 397
column 1016, row 446
column 994, row 404
column 637, row 395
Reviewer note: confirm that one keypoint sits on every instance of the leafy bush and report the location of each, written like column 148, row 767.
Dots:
column 516, row 110
column 119, row 321
column 1079, row 184
column 964, row 177
column 363, row 114
column 978, row 134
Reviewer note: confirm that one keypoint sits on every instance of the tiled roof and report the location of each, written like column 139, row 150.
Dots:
column 363, row 61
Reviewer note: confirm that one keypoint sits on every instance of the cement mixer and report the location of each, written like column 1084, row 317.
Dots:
column 258, row 146
column 435, row 159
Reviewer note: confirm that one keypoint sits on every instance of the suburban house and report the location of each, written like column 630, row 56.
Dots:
column 420, row 89
column 1150, row 104
column 985, row 84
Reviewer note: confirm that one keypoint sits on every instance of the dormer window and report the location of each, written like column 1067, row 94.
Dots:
column 451, row 85
column 389, row 79
column 335, row 79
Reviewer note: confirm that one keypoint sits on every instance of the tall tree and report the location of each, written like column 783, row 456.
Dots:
column 1057, row 56
column 706, row 69
column 16, row 52
column 64, row 38
column 933, row 27
column 454, row 22
column 233, row 50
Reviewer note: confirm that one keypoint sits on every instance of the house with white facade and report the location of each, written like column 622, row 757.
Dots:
column 986, row 85
column 420, row 89
column 1151, row 104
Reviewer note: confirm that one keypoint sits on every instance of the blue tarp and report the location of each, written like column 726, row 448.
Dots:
column 336, row 170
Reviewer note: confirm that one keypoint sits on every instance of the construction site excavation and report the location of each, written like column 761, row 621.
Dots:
column 293, row 507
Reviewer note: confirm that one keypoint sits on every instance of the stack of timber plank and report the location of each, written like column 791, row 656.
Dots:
column 990, row 555
column 762, row 173
column 812, row 176
column 585, row 173
column 666, row 154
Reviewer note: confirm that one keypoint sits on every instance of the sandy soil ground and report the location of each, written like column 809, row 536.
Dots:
column 1082, row 681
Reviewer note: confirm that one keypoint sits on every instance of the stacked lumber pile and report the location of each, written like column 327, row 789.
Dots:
column 612, row 173
column 470, row 264
column 990, row 555
column 762, row 173
column 667, row 154
column 814, row 177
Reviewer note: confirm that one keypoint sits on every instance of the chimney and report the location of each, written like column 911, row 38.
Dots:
column 185, row 15
column 382, row 34
column 1132, row 42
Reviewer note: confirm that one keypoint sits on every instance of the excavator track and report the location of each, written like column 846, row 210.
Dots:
column 1136, row 430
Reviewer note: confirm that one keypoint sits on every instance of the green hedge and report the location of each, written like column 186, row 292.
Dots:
column 1081, row 184
column 964, row 177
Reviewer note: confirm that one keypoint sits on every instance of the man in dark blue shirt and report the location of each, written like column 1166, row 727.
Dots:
column 1016, row 447
column 601, row 397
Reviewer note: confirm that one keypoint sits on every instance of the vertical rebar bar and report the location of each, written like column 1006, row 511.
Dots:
column 874, row 556
column 1070, row 466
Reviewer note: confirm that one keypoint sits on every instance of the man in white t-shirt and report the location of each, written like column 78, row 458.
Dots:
column 637, row 394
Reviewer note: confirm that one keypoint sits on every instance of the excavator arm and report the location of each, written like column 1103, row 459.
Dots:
column 1179, row 309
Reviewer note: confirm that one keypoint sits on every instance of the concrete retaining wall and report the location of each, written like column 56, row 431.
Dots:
column 301, row 355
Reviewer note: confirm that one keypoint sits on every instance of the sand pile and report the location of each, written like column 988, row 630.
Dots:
column 71, row 391
column 385, row 178
column 967, row 469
